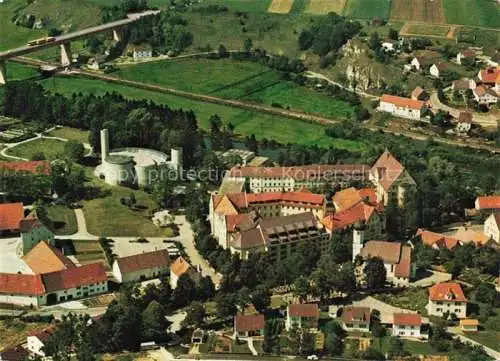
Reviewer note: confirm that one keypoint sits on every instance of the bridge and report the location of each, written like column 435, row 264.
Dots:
column 64, row 41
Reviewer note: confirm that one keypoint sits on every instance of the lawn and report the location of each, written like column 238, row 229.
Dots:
column 488, row 338
column 473, row 12
column 411, row 298
column 434, row 30
column 368, row 9
column 283, row 130
column 16, row 71
column 413, row 347
column 236, row 80
column 49, row 147
column 63, row 218
column 71, row 134
column 418, row 10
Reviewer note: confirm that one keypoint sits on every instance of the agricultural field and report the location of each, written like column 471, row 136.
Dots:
column 325, row 6
column 236, row 5
column 50, row 148
column 473, row 12
column 418, row 10
column 368, row 9
column 280, row 6
column 246, row 122
column 236, row 80
column 427, row 29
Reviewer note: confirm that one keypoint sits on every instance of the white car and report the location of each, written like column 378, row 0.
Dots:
column 312, row 357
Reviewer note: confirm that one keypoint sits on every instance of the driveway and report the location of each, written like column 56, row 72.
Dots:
column 434, row 278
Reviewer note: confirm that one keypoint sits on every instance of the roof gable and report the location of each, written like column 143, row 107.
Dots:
column 144, row 261
column 246, row 323
column 447, row 291
column 44, row 258
column 11, row 215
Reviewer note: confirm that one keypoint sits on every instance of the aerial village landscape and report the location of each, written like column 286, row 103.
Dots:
column 249, row 180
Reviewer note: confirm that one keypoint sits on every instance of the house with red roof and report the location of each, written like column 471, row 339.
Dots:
column 182, row 267
column 35, row 167
column 489, row 75
column 401, row 107
column 485, row 95
column 407, row 325
column 302, row 316
column 22, row 289
column 488, row 203
column 391, row 179
column 465, row 54
column 142, row 266
column 11, row 215
column 398, row 258
column 437, row 240
column 356, row 319
column 249, row 325
column 447, row 298
column 35, row 342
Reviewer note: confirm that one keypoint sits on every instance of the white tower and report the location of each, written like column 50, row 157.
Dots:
column 104, row 145
column 358, row 238
column 176, row 158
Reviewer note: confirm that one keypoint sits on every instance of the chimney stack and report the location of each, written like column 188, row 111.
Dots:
column 104, row 145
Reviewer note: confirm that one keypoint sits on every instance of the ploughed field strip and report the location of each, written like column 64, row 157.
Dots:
column 418, row 10
column 280, row 6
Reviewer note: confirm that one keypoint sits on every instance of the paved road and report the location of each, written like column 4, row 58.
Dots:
column 485, row 120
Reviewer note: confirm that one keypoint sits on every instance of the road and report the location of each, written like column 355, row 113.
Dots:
column 486, row 121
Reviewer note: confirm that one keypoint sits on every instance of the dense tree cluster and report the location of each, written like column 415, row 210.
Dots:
column 130, row 122
column 328, row 34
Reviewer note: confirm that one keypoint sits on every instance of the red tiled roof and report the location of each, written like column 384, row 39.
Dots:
column 387, row 169
column 403, row 267
column 351, row 314
column 74, row 277
column 402, row 102
column 180, row 266
column 466, row 235
column 303, row 310
column 407, row 319
column 43, row 335
column 390, row 252
column 447, row 291
column 490, row 75
column 11, row 215
column 369, row 194
column 34, row 167
column 314, row 171
column 21, row 284
column 465, row 117
column 44, row 258
column 246, row 323
column 346, row 198
column 143, row 261
column 468, row 53
column 488, row 202
column 440, row 240
column 360, row 212
column 242, row 221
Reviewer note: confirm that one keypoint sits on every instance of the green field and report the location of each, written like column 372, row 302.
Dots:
column 16, row 71
column 71, row 134
column 246, row 122
column 473, row 12
column 49, row 147
column 236, row 80
column 368, row 9
column 428, row 29
column 240, row 5
column 488, row 338
column 63, row 218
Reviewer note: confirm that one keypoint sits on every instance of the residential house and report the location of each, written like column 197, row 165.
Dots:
column 280, row 236
column 437, row 240
column 421, row 63
column 469, row 325
column 390, row 44
column 397, row 257
column 249, row 325
column 180, row 267
column 142, row 266
column 447, row 297
column 419, row 94
column 437, row 70
column 407, row 325
column 492, row 226
column 356, row 319
column 463, row 85
column 468, row 235
column 391, row 179
column 33, row 231
column 489, row 76
column 488, row 203
column 401, row 107
column 464, row 122
column 35, row 342
column 11, row 215
column 465, row 54
column 45, row 258
column 289, row 179
column 36, row 290
column 231, row 213
column 302, row 316
column 484, row 95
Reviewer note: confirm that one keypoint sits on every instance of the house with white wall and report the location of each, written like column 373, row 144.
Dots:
column 356, row 319
column 492, row 226
column 407, row 325
column 142, row 266
column 447, row 297
column 249, row 325
column 35, row 342
column 401, row 107
column 302, row 316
